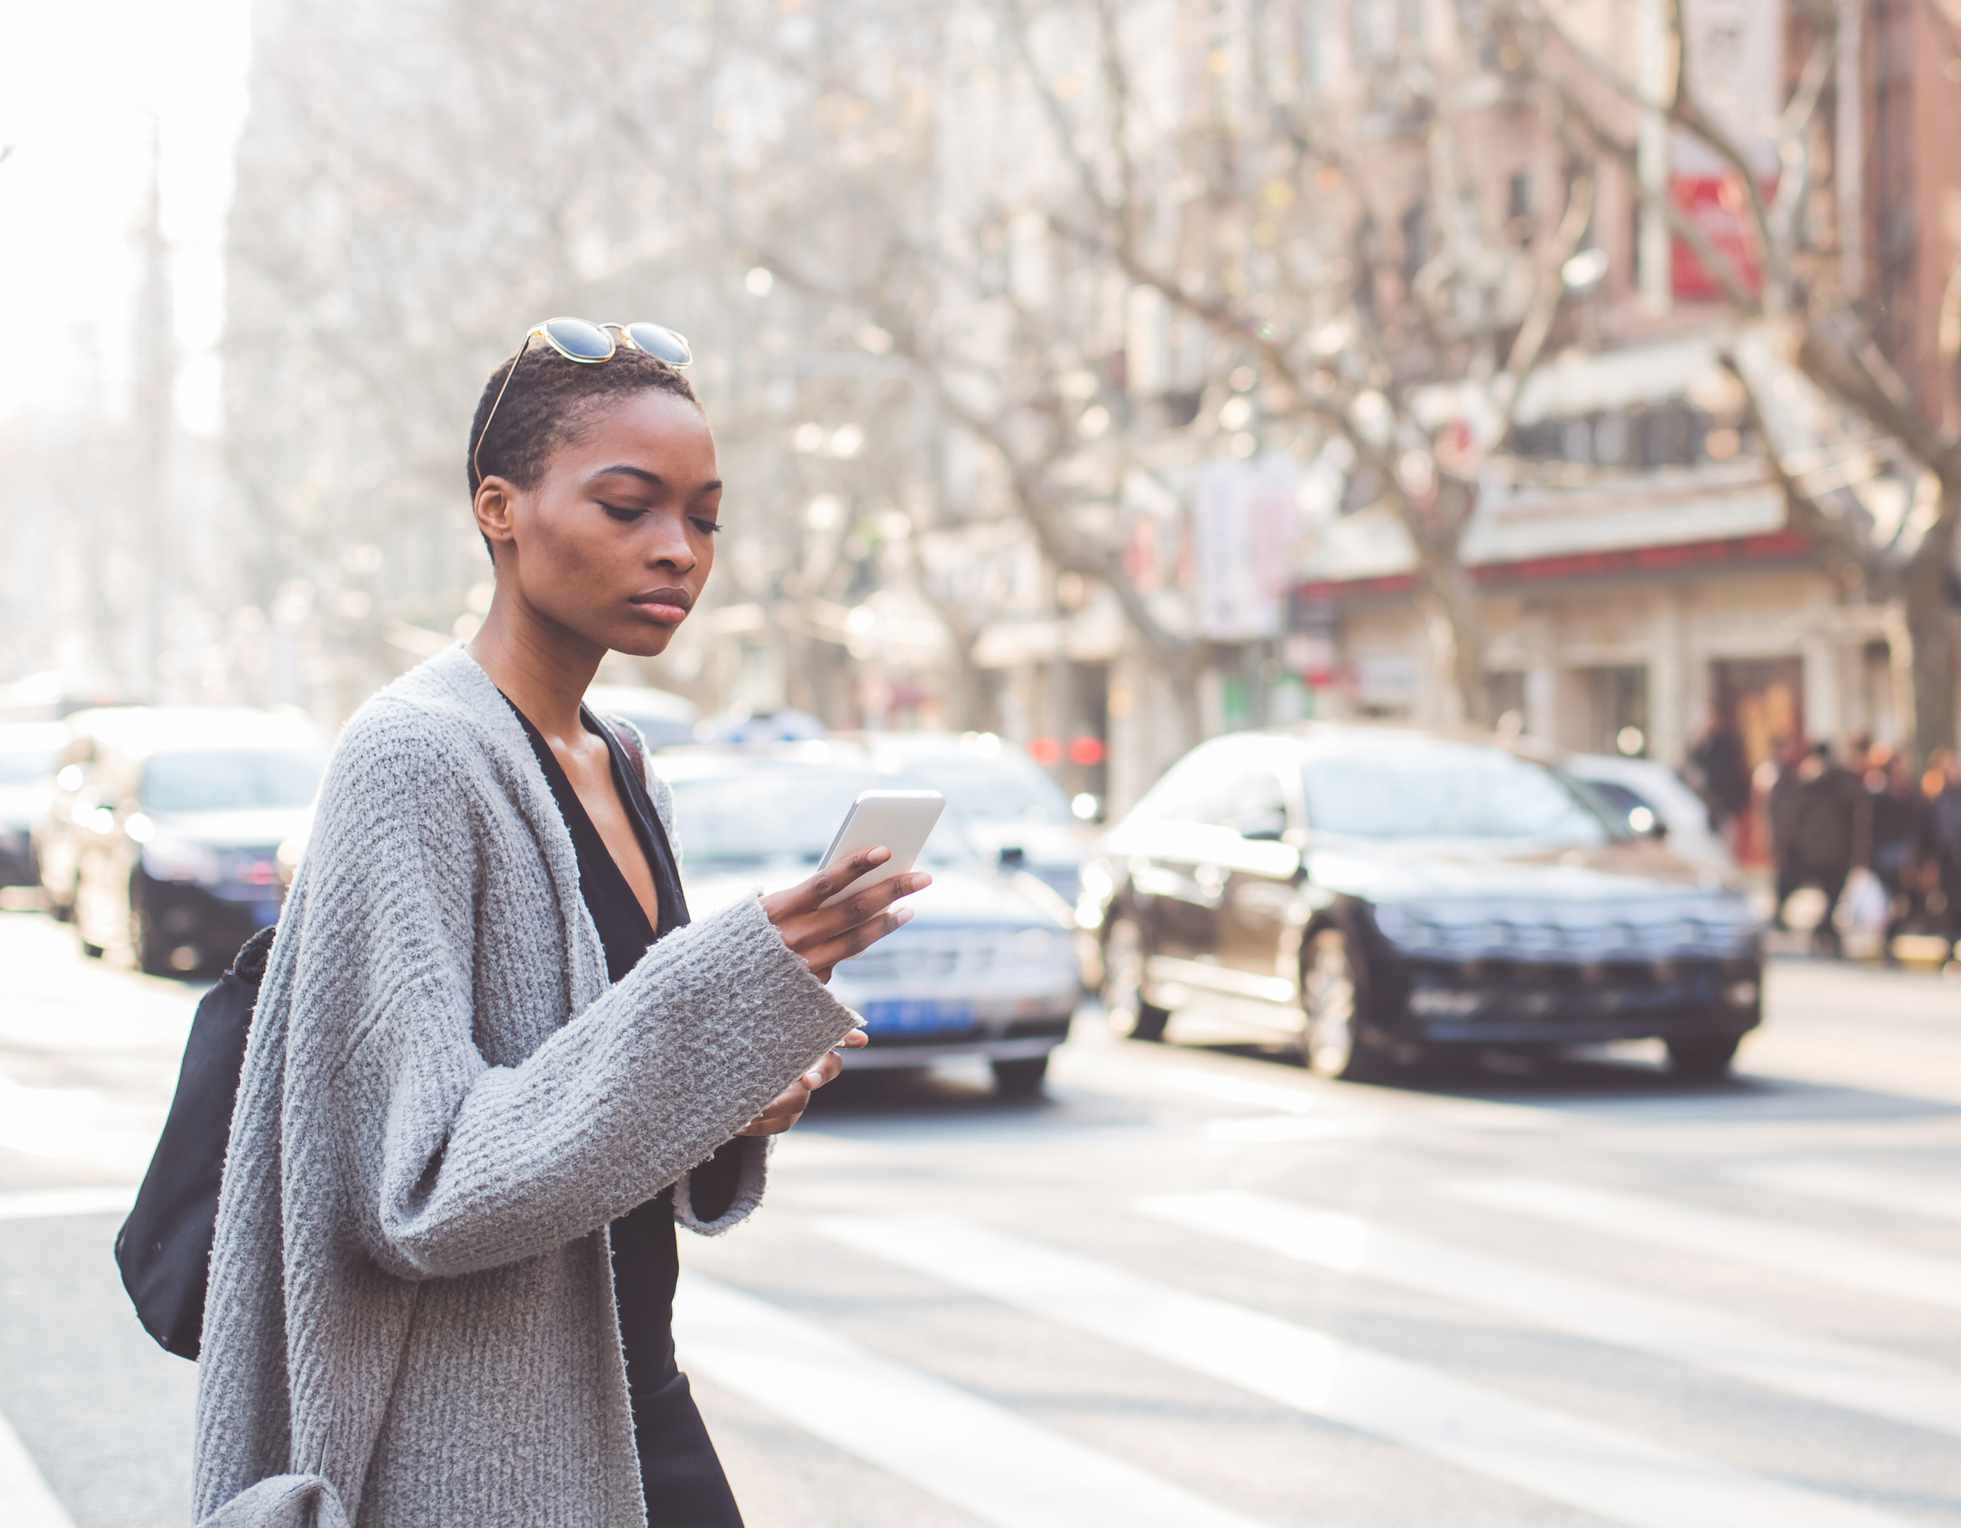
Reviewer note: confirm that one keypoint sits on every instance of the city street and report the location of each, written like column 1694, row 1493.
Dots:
column 1194, row 1287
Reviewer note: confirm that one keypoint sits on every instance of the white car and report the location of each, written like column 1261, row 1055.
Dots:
column 1631, row 787
column 1009, row 802
column 986, row 970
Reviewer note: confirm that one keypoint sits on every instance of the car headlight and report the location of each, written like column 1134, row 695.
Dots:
column 1054, row 946
column 1399, row 925
column 176, row 859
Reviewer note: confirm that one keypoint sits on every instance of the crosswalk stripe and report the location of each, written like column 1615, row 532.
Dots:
column 1611, row 1474
column 24, row 1490
column 1786, row 1249
column 978, row 1456
column 1834, row 1373
column 53, row 1203
column 1869, row 1187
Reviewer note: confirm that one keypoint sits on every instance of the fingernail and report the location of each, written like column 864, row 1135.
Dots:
column 903, row 915
column 814, row 1079
column 879, row 855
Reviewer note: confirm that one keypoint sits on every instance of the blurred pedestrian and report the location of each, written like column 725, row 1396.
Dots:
column 1943, row 793
column 1720, row 768
column 1819, row 832
column 1897, row 814
column 493, row 1063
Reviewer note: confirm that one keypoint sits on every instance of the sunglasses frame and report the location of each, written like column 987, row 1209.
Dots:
column 617, row 335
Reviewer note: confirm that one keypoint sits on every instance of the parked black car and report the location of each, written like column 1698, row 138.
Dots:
column 179, row 858
column 1375, row 893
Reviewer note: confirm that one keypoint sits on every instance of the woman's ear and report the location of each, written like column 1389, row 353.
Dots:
column 494, row 507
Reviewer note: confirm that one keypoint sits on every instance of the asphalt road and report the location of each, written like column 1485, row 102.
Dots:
column 1194, row 1287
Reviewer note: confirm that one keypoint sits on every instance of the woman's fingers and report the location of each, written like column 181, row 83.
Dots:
column 784, row 1111
column 789, row 1105
column 828, row 883
column 855, row 941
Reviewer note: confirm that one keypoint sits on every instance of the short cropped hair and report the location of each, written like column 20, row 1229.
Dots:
column 547, row 404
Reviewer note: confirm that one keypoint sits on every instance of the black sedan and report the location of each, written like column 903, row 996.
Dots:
column 179, row 859
column 1376, row 894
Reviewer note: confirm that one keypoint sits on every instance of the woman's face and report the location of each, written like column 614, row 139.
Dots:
column 615, row 541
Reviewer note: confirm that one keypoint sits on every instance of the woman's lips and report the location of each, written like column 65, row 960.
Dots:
column 657, row 610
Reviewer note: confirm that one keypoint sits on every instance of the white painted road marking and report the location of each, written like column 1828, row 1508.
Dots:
column 1832, row 1373
column 53, row 1203
column 24, row 1490
column 1785, row 1249
column 1611, row 1474
column 1870, row 1187
column 979, row 1457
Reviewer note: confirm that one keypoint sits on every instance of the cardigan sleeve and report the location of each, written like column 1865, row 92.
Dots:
column 453, row 1165
column 726, row 1190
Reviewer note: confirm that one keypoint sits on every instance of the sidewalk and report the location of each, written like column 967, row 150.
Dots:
column 1920, row 952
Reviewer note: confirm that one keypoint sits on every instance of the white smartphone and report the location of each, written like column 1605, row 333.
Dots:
column 901, row 820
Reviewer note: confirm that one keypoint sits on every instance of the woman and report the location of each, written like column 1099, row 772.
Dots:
column 493, row 1061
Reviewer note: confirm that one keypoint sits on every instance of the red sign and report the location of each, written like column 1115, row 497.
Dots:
column 1719, row 207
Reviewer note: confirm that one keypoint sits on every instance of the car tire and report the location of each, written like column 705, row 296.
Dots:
column 1703, row 1060
column 1020, row 1079
column 1331, row 1009
column 92, row 951
column 150, row 959
column 1130, row 1016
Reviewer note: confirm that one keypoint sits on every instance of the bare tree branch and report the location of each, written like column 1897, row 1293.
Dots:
column 1845, row 548
column 1549, row 290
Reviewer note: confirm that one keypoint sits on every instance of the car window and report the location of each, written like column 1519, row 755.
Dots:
column 230, row 779
column 1006, row 787
column 1192, row 790
column 776, row 817
column 1251, row 799
column 1447, row 791
column 26, row 766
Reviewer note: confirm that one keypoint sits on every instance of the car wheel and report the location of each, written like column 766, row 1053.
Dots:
column 1020, row 1079
column 1123, row 984
column 151, row 959
column 1331, row 1010
column 1704, row 1059
column 91, row 950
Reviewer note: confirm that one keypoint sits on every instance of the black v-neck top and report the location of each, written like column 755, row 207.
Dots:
column 680, row 1473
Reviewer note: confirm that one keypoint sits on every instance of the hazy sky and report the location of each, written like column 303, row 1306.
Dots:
column 78, row 88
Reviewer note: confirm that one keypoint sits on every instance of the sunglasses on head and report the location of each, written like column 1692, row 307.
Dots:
column 588, row 343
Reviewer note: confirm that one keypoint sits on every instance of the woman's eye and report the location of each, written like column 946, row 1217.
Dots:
column 625, row 516
column 706, row 526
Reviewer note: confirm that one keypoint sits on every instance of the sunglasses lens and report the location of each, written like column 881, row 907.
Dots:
column 579, row 340
column 658, row 340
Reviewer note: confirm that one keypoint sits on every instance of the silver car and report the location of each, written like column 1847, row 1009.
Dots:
column 987, row 968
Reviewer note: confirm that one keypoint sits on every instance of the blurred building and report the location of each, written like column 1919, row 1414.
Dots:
column 1637, row 569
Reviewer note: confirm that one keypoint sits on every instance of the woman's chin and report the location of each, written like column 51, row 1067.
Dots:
column 642, row 639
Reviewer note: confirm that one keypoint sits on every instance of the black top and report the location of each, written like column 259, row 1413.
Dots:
column 679, row 1472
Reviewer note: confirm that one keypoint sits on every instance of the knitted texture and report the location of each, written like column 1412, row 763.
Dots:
column 444, row 1105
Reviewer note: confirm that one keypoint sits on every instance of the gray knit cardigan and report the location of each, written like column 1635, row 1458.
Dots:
column 411, row 1320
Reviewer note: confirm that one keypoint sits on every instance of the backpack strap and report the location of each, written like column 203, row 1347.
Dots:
column 629, row 737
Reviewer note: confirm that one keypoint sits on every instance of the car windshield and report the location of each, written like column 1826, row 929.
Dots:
column 1005, row 787
column 784, row 817
column 28, row 767
column 230, row 779
column 1447, row 791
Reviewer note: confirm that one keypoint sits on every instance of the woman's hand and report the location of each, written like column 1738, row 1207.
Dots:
column 822, row 936
column 788, row 1106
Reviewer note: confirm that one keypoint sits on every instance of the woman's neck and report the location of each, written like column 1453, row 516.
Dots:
column 545, row 672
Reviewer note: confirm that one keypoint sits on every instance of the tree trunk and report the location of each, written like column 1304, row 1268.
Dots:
column 1930, row 624
column 1457, row 637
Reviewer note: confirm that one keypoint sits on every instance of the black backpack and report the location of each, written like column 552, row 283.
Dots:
column 164, row 1248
